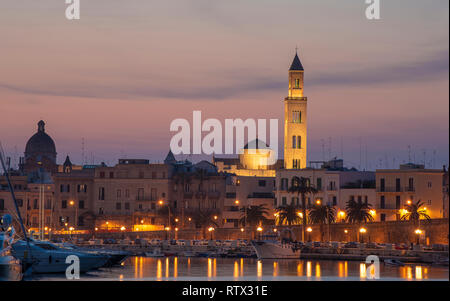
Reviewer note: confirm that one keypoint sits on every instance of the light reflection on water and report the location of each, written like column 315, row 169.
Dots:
column 181, row 268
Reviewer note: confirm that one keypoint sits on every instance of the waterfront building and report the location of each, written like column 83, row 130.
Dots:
column 335, row 184
column 395, row 188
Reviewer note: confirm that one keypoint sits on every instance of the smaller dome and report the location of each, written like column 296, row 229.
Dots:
column 256, row 144
column 40, row 142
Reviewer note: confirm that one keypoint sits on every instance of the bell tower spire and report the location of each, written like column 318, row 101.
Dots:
column 295, row 118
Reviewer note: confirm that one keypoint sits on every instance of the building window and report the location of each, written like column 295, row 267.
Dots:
column 382, row 182
column 397, row 185
column 119, row 193
column 296, row 164
column 64, row 204
column 102, row 174
column 118, row 206
column 101, row 193
column 411, row 184
column 20, row 202
column 297, row 83
column 127, row 193
column 383, row 217
column 397, row 202
column 141, row 175
column 127, row 206
column 262, row 183
column 334, row 200
column 319, row 184
column 297, row 117
column 111, row 174
column 430, row 185
column 81, row 188
column 2, row 204
column 153, row 194
column 382, row 202
column 294, row 141
column 299, row 142
column 140, row 194
column 283, row 201
column 81, row 204
column 153, row 175
column 48, row 204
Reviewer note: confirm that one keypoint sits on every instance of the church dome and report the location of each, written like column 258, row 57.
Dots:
column 256, row 144
column 40, row 143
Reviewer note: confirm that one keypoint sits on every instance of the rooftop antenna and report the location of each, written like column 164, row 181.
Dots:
column 342, row 149
column 424, row 157
column 434, row 159
column 409, row 153
column 329, row 148
column 323, row 149
column 365, row 164
column 360, row 152
column 82, row 150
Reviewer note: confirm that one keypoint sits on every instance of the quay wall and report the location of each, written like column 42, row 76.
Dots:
column 435, row 231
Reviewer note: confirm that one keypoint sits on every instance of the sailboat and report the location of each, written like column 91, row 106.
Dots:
column 10, row 267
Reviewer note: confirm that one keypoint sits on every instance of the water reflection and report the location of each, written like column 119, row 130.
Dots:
column 182, row 268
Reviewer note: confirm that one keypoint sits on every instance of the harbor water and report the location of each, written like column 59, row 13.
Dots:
column 249, row 269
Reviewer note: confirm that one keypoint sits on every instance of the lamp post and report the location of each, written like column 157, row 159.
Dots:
column 418, row 234
column 161, row 203
column 309, row 230
column 75, row 222
column 362, row 230
column 259, row 229
column 211, row 229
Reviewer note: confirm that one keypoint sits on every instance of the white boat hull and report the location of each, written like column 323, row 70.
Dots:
column 273, row 250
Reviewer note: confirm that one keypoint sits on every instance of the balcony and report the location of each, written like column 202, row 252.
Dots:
column 410, row 189
column 214, row 194
column 188, row 195
column 200, row 195
column 389, row 189
column 331, row 188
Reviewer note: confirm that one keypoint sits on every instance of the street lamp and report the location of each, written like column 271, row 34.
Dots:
column 161, row 203
column 362, row 230
column 72, row 203
column 259, row 229
column 211, row 229
column 309, row 230
column 418, row 233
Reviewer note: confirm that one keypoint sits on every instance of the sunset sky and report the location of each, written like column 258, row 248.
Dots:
column 122, row 73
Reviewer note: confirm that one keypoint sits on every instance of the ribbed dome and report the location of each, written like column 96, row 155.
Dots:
column 40, row 142
column 256, row 144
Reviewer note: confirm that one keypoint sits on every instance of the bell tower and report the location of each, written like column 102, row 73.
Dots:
column 295, row 119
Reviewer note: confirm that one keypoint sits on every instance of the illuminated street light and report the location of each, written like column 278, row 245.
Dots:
column 210, row 229
column 122, row 228
column 161, row 202
column 300, row 214
column 275, row 230
column 189, row 219
column 167, row 228
column 318, row 202
column 96, row 229
column 242, row 229
column 259, row 229
column 309, row 229
column 372, row 212
column 176, row 229
column 236, row 202
column 142, row 221
column 418, row 231
column 345, row 231
column 177, row 220
column 215, row 217
column 362, row 230
column 409, row 202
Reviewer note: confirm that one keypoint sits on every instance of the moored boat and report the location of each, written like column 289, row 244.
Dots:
column 275, row 250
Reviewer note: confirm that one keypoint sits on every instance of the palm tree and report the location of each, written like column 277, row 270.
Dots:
column 204, row 220
column 322, row 214
column 358, row 212
column 302, row 186
column 288, row 215
column 414, row 213
column 253, row 216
